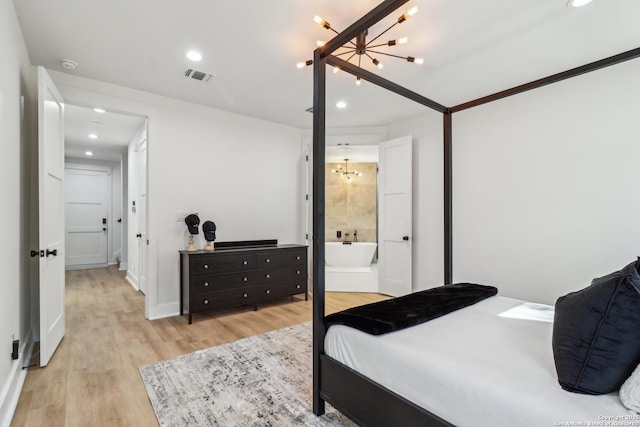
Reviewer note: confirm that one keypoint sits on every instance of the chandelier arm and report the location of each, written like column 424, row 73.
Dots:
column 370, row 57
column 388, row 54
column 346, row 52
column 378, row 45
column 378, row 36
column 349, row 58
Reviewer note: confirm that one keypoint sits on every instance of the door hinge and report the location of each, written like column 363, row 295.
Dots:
column 306, row 157
column 306, row 197
column 306, row 236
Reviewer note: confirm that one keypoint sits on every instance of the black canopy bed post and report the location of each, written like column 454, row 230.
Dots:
column 319, row 86
column 447, row 154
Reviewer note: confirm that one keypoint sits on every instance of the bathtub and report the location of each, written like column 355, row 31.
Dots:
column 349, row 268
column 357, row 254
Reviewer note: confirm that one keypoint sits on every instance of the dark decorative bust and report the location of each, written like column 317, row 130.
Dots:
column 209, row 230
column 192, row 222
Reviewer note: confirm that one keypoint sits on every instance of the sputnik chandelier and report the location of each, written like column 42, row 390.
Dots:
column 345, row 172
column 363, row 48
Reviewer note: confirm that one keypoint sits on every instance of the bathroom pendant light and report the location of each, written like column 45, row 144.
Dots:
column 345, row 172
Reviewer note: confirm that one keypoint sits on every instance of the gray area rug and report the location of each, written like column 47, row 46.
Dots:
column 263, row 380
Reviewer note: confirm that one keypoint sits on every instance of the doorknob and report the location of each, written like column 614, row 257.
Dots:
column 405, row 238
column 34, row 253
column 138, row 235
column 53, row 252
column 104, row 229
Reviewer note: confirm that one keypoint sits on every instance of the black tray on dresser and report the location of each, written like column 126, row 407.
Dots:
column 239, row 273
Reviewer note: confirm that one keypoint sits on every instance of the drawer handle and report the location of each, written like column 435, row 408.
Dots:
column 267, row 276
column 268, row 291
column 206, row 266
column 297, row 271
column 245, row 295
column 206, row 284
column 206, row 302
column 297, row 286
column 267, row 260
column 244, row 262
column 244, row 279
column 298, row 257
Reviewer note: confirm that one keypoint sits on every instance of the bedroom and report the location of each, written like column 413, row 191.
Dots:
column 428, row 270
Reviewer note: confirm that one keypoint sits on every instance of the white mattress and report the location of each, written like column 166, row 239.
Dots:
column 474, row 368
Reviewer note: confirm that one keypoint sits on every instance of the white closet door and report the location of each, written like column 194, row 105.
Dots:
column 395, row 216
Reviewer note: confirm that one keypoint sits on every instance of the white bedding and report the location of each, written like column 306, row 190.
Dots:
column 474, row 368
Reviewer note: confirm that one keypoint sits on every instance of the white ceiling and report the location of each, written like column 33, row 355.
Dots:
column 114, row 132
column 471, row 48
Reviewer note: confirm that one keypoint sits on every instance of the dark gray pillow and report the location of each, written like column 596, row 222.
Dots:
column 596, row 333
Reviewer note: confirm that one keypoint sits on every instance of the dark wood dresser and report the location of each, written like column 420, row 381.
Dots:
column 236, row 273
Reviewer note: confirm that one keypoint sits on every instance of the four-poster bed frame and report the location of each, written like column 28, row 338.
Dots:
column 361, row 399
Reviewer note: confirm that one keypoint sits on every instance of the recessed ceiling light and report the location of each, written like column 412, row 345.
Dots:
column 88, row 153
column 68, row 64
column 578, row 3
column 93, row 136
column 99, row 110
column 341, row 104
column 194, row 55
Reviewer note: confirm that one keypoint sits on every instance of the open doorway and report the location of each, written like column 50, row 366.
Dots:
column 99, row 146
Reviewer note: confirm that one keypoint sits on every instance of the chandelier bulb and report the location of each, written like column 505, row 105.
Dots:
column 409, row 13
column 304, row 64
column 336, row 69
column 419, row 61
column 358, row 81
column 403, row 40
column 319, row 43
column 319, row 20
column 377, row 64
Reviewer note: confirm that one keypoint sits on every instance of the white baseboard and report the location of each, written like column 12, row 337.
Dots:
column 84, row 266
column 164, row 310
column 10, row 393
column 133, row 280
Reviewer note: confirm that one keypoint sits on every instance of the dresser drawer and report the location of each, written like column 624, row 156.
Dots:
column 225, row 298
column 219, row 282
column 282, row 257
column 271, row 275
column 280, row 290
column 222, row 263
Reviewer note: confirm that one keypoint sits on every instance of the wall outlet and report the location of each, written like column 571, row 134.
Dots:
column 15, row 347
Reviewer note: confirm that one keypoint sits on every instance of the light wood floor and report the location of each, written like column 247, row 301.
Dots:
column 93, row 378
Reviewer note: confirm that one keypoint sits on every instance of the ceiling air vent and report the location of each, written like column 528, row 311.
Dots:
column 198, row 75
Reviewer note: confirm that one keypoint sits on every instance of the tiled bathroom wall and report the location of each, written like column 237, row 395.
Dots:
column 351, row 206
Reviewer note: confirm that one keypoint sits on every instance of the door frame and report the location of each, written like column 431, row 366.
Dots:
column 91, row 99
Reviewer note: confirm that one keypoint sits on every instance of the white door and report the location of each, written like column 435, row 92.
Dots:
column 50, row 215
column 86, row 214
column 142, row 217
column 395, row 215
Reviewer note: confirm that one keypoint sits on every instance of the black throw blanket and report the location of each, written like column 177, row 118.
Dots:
column 392, row 315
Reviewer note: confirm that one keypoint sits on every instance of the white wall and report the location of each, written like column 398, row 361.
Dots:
column 16, row 80
column 237, row 171
column 428, row 259
column 545, row 185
